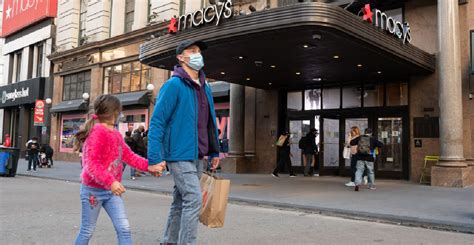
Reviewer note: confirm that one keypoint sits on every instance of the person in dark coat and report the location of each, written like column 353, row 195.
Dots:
column 32, row 148
column 284, row 156
column 132, row 144
column 49, row 152
column 310, row 149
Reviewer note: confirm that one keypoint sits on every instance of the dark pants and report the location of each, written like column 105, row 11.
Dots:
column 32, row 157
column 284, row 161
column 354, row 168
column 50, row 159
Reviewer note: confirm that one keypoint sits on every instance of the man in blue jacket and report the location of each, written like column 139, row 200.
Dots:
column 182, row 132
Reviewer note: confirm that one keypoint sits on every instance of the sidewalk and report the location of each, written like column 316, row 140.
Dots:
column 394, row 201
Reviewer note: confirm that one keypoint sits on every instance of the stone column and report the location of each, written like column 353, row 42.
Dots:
column 450, row 89
column 117, row 25
column 237, row 115
column 140, row 17
column 249, row 134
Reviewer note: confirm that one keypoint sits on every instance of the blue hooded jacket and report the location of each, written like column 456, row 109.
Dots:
column 173, row 133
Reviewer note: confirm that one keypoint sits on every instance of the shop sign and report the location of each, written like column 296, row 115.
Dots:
column 39, row 113
column 201, row 17
column 23, row 93
column 387, row 23
column 26, row 92
column 18, row 14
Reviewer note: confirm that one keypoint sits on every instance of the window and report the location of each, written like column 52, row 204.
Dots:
column 39, row 61
column 312, row 99
column 75, row 85
column 373, row 95
column 294, row 101
column 397, row 94
column 426, row 127
column 351, row 97
column 132, row 120
column 70, row 126
column 18, row 67
column 331, row 98
column 128, row 77
column 129, row 14
column 82, row 22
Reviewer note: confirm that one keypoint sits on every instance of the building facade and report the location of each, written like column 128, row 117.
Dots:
column 28, row 33
column 387, row 66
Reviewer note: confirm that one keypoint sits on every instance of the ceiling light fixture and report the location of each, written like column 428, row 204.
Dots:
column 270, row 84
column 248, row 79
column 317, row 79
column 359, row 65
column 306, row 46
column 379, row 72
column 298, row 73
column 241, row 57
column 273, row 66
column 336, row 56
column 222, row 73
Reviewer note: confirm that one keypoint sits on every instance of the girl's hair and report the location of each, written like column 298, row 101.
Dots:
column 355, row 131
column 106, row 107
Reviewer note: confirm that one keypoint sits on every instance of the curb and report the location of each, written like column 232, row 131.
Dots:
column 340, row 213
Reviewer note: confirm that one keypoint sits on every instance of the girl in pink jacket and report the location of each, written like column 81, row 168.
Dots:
column 104, row 150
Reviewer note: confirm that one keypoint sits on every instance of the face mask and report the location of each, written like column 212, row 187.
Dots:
column 196, row 61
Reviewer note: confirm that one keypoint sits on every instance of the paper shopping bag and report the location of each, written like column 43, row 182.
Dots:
column 215, row 192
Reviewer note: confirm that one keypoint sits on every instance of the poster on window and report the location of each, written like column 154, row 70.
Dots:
column 69, row 129
column 39, row 113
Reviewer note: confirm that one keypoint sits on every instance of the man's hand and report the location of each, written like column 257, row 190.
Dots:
column 215, row 163
column 157, row 169
column 117, row 188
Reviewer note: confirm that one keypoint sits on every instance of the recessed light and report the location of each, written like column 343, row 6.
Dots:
column 359, row 65
column 273, row 66
column 222, row 73
column 248, row 79
column 336, row 56
column 241, row 57
column 379, row 72
column 270, row 84
column 298, row 73
column 306, row 46
column 317, row 79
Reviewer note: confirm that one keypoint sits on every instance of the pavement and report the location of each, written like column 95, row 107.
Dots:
column 51, row 216
column 394, row 201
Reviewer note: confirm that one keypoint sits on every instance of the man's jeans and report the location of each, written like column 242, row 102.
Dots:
column 92, row 200
column 308, row 158
column 32, row 158
column 361, row 165
column 187, row 201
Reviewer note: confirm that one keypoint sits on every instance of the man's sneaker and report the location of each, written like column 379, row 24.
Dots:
column 292, row 175
column 372, row 188
column 356, row 188
column 133, row 178
column 275, row 175
column 350, row 184
column 316, row 175
column 365, row 180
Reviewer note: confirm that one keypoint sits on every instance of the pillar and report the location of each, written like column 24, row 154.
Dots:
column 117, row 25
column 237, row 115
column 249, row 124
column 140, row 17
column 450, row 89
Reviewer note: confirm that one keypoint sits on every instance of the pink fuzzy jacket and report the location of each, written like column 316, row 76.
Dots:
column 102, row 155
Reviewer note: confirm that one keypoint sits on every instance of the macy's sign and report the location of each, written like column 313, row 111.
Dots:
column 387, row 23
column 203, row 16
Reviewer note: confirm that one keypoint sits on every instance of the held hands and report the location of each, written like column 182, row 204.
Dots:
column 157, row 169
column 117, row 188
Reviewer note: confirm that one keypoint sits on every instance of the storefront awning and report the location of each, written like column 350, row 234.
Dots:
column 296, row 46
column 70, row 106
column 220, row 89
column 134, row 98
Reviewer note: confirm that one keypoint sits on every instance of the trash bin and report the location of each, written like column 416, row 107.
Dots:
column 11, row 156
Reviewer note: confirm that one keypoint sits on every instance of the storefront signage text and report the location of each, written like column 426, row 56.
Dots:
column 18, row 14
column 23, row 93
column 203, row 16
column 387, row 23
column 39, row 113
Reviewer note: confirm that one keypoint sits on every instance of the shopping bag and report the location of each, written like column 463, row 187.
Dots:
column 346, row 153
column 281, row 140
column 215, row 193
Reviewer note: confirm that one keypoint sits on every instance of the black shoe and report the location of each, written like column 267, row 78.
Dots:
column 275, row 175
column 356, row 188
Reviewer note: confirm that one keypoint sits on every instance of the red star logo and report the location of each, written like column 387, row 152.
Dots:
column 368, row 13
column 172, row 28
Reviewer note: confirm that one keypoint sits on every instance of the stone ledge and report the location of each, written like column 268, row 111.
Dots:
column 452, row 176
column 236, row 165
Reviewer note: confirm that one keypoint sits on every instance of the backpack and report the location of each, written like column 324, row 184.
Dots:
column 302, row 143
column 363, row 147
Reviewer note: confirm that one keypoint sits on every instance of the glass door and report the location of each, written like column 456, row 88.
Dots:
column 390, row 133
column 298, row 129
column 330, row 149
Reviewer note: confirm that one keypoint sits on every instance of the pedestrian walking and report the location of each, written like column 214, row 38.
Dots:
column 131, row 143
column 104, row 150
column 366, row 145
column 309, row 150
column 32, row 149
column 183, row 131
column 284, row 156
column 354, row 133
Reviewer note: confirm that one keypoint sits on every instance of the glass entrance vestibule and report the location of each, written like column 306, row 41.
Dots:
column 334, row 110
